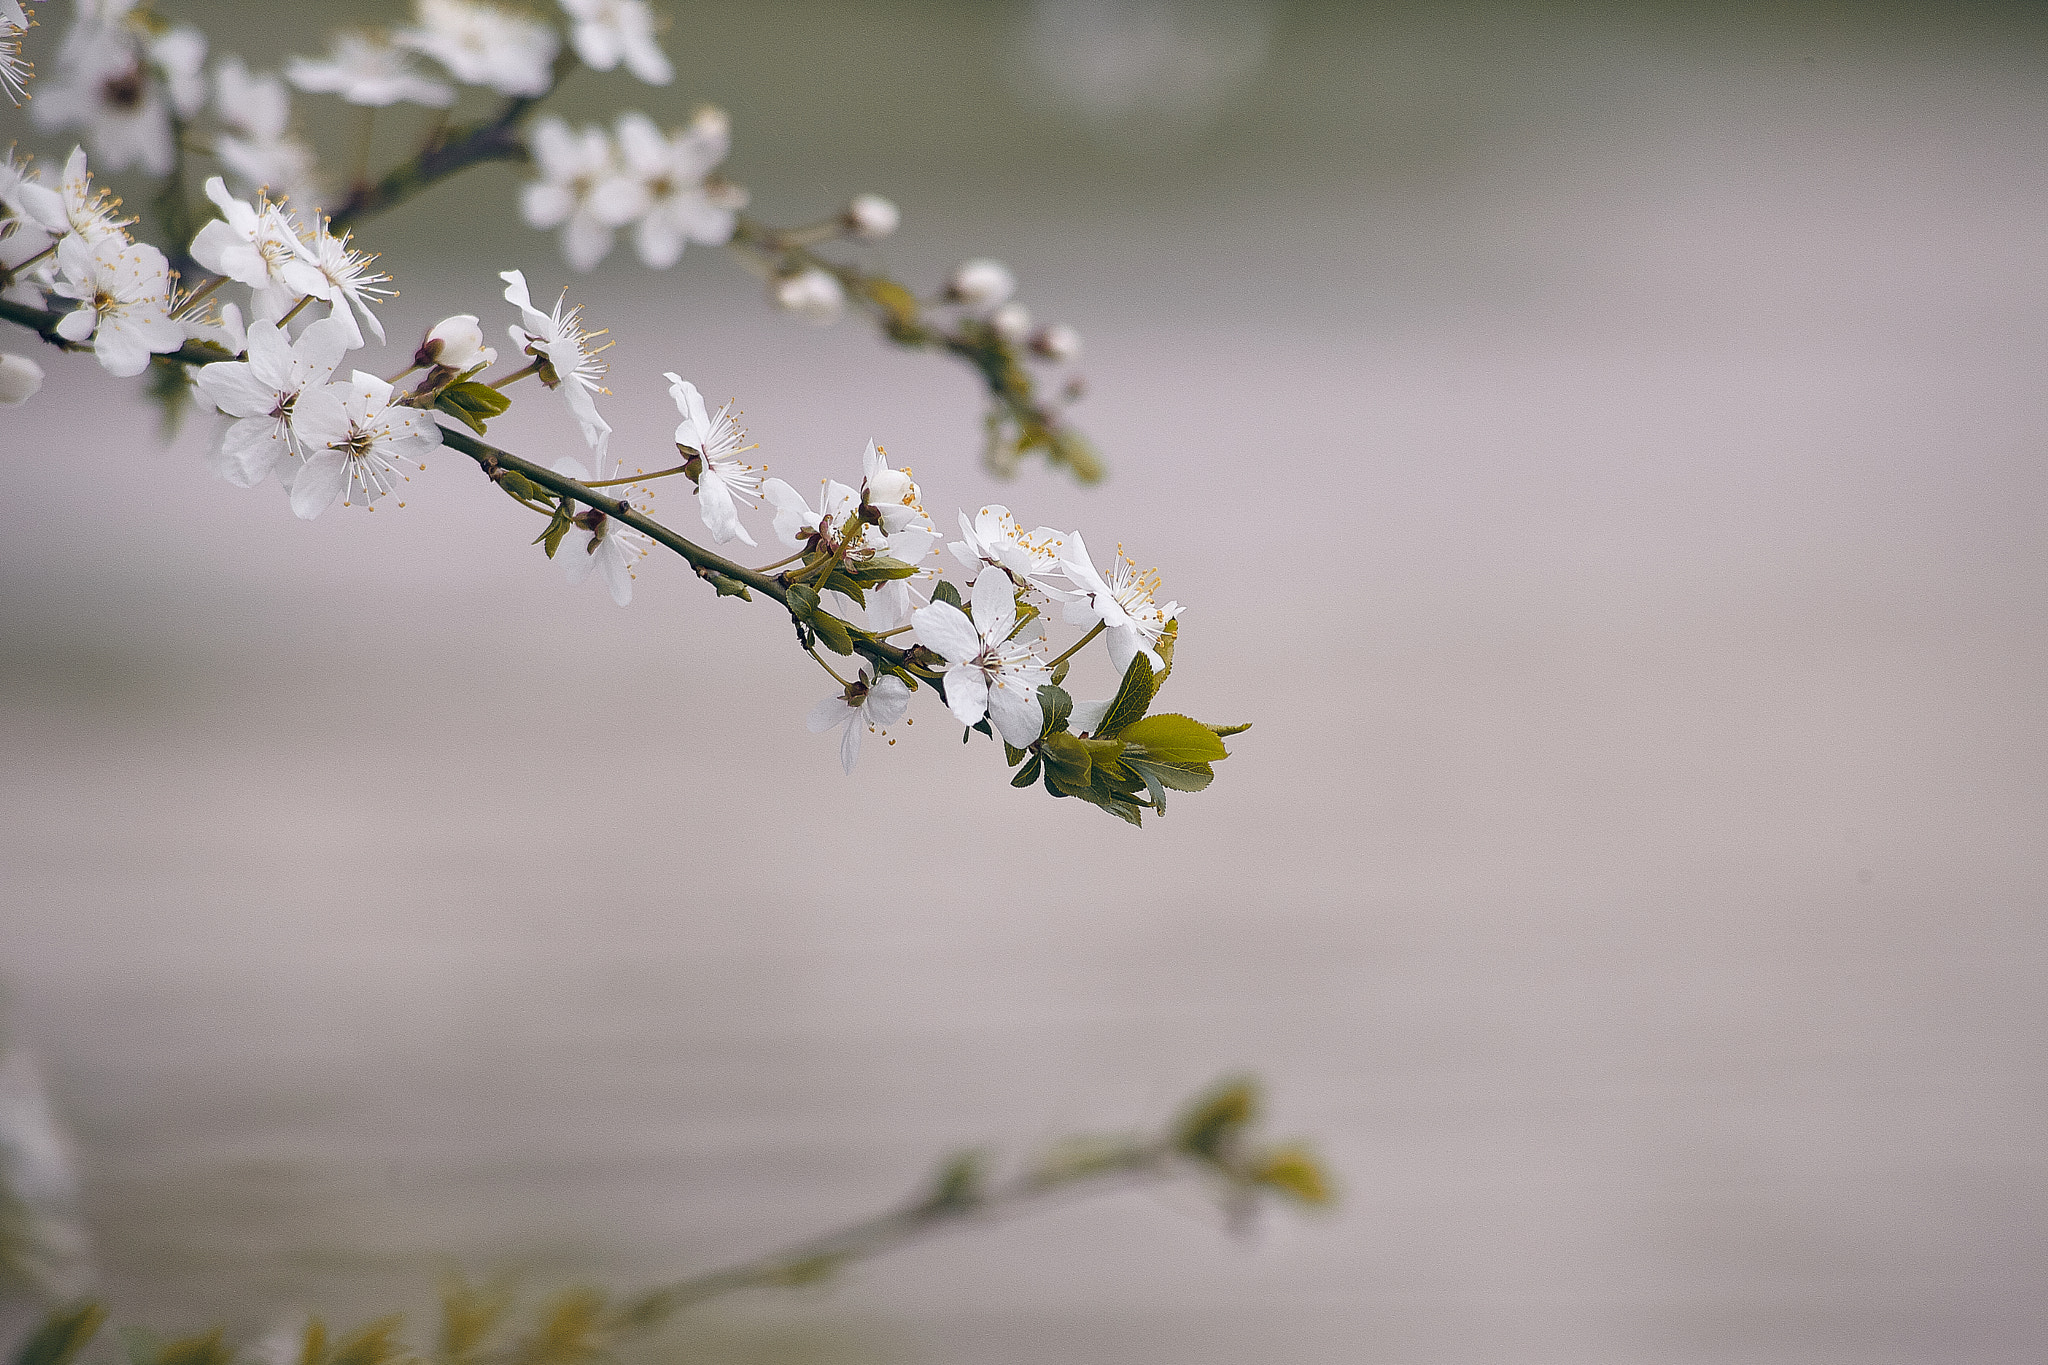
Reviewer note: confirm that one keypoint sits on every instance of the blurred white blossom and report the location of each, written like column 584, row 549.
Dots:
column 366, row 68
column 664, row 186
column 572, row 166
column 608, row 32
column 484, row 44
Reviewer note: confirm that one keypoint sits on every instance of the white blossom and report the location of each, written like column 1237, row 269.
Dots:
column 253, row 144
column 664, row 187
column 1127, row 604
column 871, row 216
column 865, row 706
column 123, row 85
column 812, row 294
column 75, row 207
column 331, row 270
column 600, row 542
column 908, row 533
column 254, row 245
column 987, row 673
column 721, row 478
column 456, row 343
column 482, row 44
column 353, row 439
column 572, row 166
column 20, row 377
column 124, row 300
column 1058, row 342
column 366, row 68
column 995, row 539
column 608, row 32
column 981, row 284
column 263, row 393
column 568, row 364
column 15, row 70
column 1011, row 322
column 801, row 526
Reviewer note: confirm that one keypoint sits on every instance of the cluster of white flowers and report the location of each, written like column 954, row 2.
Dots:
column 593, row 183
column 861, row 566
column 986, row 287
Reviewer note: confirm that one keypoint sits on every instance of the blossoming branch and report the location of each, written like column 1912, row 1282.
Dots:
column 254, row 312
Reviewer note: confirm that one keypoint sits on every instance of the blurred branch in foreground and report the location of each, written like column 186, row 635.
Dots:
column 1211, row 1141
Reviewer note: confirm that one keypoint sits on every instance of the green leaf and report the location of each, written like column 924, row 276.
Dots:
column 948, row 594
column 551, row 539
column 832, row 632
column 1059, row 671
column 1293, row 1170
column 960, row 1184
column 1212, row 1124
column 1175, row 739
column 571, row 1329
column 1066, row 758
column 469, row 1314
column 882, row 569
column 519, row 486
column 1225, row 731
column 1056, row 706
column 1026, row 614
column 1163, row 647
column 1027, row 774
column 472, row 404
column 471, row 397
column 1011, row 754
column 208, row 1349
column 1133, row 697
column 62, row 1336
column 728, row 587
column 802, row 601
column 1181, row 777
column 373, row 1344
column 839, row 582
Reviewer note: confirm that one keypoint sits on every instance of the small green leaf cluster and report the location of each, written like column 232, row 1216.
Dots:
column 1215, row 1131
column 1132, row 758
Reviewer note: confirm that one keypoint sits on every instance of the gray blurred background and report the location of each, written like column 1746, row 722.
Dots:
column 1600, row 449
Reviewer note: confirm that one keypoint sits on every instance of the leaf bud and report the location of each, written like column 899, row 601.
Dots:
column 1011, row 322
column 981, row 283
column 1057, row 342
column 871, row 216
column 812, row 294
column 456, row 343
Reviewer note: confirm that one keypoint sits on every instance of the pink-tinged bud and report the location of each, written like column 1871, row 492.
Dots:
column 20, row 377
column 814, row 295
column 1011, row 322
column 981, row 284
column 1057, row 342
column 456, row 343
column 871, row 216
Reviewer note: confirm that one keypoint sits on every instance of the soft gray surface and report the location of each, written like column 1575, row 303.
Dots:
column 1628, row 542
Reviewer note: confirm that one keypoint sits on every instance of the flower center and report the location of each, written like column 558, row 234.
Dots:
column 123, row 91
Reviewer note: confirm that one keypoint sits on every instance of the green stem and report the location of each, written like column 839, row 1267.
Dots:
column 295, row 310
column 637, row 478
column 771, row 568
column 828, row 668
column 1141, row 1162
column 516, row 375
column 1076, row 649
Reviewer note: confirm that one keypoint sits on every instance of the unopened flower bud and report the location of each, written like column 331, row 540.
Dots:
column 981, row 284
column 814, row 295
column 711, row 122
column 871, row 216
column 1057, row 342
column 890, row 488
column 20, row 377
column 1011, row 322
column 456, row 343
